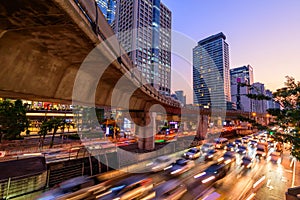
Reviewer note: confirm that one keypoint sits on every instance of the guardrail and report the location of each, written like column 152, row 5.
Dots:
column 17, row 186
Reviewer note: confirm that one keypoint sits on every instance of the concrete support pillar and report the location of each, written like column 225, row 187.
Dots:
column 202, row 126
column 147, row 132
column 145, row 129
column 185, row 126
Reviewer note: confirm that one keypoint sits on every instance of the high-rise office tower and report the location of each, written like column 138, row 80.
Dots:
column 240, row 80
column 108, row 8
column 144, row 30
column 211, row 81
column 259, row 106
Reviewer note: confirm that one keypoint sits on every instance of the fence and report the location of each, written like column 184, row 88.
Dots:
column 17, row 186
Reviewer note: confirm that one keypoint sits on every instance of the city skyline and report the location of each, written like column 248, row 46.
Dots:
column 257, row 36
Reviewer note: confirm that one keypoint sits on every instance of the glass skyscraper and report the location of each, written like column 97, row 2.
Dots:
column 108, row 8
column 144, row 30
column 211, row 78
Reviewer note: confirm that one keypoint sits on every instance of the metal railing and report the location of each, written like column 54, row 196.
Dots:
column 17, row 186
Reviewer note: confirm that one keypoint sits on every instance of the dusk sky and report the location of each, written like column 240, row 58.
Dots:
column 262, row 33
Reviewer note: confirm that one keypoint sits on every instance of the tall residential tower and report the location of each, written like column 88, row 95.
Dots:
column 211, row 80
column 144, row 30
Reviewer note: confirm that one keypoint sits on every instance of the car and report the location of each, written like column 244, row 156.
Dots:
column 128, row 190
column 275, row 157
column 192, row 153
column 230, row 147
column 247, row 162
column 245, row 140
column 242, row 149
column 221, row 142
column 67, row 187
column 262, row 150
column 210, row 154
column 180, row 166
column 252, row 143
column 255, row 135
column 213, row 173
column 238, row 142
column 229, row 157
column 169, row 190
column 271, row 144
column 160, row 163
column 207, row 146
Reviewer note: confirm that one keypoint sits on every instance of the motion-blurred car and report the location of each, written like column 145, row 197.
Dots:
column 170, row 190
column 247, row 162
column 192, row 153
column 238, row 142
column 210, row 154
column 245, row 140
column 181, row 166
column 160, row 163
column 213, row 173
column 229, row 157
column 252, row 143
column 242, row 149
column 262, row 150
column 220, row 143
column 230, row 147
column 128, row 191
column 275, row 157
column 67, row 187
column 207, row 146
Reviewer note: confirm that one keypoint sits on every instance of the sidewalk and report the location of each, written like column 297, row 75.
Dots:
column 286, row 162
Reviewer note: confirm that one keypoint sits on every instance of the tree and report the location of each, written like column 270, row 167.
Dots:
column 54, row 125
column 13, row 119
column 43, row 132
column 51, row 125
column 286, row 127
column 287, row 124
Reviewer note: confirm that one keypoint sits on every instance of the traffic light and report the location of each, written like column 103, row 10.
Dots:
column 271, row 132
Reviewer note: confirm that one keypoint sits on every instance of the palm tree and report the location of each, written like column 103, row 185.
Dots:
column 54, row 125
column 43, row 132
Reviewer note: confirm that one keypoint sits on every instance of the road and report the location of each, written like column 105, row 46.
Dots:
column 264, row 180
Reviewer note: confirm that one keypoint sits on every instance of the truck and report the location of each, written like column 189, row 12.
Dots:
column 261, row 150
